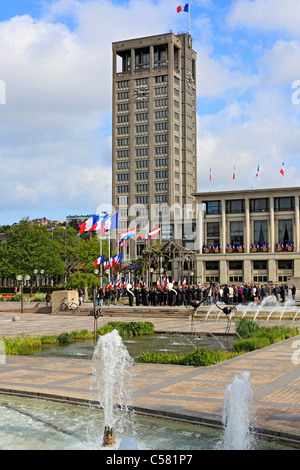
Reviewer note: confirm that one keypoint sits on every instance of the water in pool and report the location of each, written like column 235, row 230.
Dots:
column 44, row 425
column 172, row 343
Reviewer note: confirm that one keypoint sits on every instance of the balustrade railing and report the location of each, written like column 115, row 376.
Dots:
column 254, row 248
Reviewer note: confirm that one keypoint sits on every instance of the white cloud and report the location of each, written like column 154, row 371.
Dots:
column 217, row 76
column 245, row 135
column 55, row 128
column 266, row 15
column 281, row 64
column 58, row 97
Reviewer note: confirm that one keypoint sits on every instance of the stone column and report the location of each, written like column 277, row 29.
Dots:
column 247, row 238
column 272, row 227
column 223, row 272
column 132, row 65
column 297, row 225
column 200, row 271
column 247, row 271
column 199, row 227
column 223, row 227
column 272, row 273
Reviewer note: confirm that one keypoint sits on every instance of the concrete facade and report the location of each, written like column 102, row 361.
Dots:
column 154, row 147
column 249, row 236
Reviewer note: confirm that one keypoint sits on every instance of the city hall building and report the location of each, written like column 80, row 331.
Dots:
column 250, row 236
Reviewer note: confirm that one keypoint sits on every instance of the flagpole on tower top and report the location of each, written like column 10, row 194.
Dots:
column 189, row 4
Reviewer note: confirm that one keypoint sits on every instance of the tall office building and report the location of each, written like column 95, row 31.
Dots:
column 154, row 171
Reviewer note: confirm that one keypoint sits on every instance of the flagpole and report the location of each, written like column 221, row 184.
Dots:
column 101, row 268
column 109, row 254
column 234, row 178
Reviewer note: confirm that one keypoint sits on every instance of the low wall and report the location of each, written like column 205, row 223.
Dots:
column 60, row 296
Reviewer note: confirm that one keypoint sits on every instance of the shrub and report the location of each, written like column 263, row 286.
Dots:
column 250, row 344
column 159, row 358
column 64, row 338
column 198, row 357
column 246, row 328
column 20, row 345
column 40, row 297
column 128, row 328
column 253, row 336
column 17, row 298
column 49, row 339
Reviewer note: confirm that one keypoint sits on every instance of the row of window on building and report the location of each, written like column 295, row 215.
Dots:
column 260, row 232
column 259, row 269
column 236, row 206
column 144, row 175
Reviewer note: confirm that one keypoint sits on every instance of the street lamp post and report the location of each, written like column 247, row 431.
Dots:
column 96, row 272
column 21, row 280
column 38, row 273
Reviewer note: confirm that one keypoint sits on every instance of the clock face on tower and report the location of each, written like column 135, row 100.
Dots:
column 189, row 78
column 141, row 92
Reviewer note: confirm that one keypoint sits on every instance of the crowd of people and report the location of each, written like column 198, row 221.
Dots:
column 182, row 296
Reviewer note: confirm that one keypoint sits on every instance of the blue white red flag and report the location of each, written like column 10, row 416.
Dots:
column 183, row 8
column 108, row 223
column 89, row 225
column 99, row 260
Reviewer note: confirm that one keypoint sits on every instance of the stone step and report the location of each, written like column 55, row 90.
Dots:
column 126, row 311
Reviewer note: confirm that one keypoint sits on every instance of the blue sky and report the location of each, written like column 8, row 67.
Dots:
column 55, row 124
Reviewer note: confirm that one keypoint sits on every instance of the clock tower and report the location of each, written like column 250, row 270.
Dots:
column 154, row 147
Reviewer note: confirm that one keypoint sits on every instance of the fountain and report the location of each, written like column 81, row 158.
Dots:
column 111, row 384
column 29, row 426
column 238, row 414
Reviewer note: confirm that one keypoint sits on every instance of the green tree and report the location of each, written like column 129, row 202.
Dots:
column 83, row 280
column 29, row 246
column 78, row 253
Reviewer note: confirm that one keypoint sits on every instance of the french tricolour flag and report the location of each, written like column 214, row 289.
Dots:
column 108, row 223
column 282, row 169
column 89, row 225
column 183, row 8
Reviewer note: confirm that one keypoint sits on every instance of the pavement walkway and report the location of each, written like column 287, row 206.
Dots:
column 192, row 393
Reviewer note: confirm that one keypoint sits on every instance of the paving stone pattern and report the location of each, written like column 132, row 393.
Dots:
column 195, row 393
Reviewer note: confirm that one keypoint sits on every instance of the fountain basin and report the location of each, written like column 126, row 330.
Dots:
column 28, row 424
column 172, row 343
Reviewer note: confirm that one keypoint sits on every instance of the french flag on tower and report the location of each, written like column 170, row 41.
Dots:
column 183, row 8
column 282, row 169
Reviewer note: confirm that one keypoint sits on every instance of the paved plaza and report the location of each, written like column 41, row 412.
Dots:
column 194, row 393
